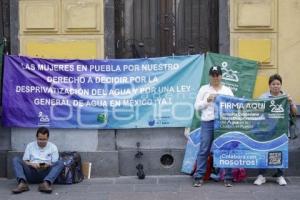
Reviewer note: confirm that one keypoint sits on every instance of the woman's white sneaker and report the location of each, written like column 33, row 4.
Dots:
column 281, row 181
column 259, row 180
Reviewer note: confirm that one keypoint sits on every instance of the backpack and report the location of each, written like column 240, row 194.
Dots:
column 238, row 174
column 72, row 172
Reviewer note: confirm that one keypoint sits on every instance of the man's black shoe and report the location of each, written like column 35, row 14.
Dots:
column 22, row 187
column 45, row 187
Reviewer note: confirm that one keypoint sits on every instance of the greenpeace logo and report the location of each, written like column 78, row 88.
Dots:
column 43, row 119
column 229, row 74
column 276, row 108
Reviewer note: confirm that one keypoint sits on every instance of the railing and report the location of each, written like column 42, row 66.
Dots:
column 151, row 28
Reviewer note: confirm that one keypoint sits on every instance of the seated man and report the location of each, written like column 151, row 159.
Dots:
column 40, row 164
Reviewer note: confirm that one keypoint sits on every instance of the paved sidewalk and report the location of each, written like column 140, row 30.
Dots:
column 156, row 188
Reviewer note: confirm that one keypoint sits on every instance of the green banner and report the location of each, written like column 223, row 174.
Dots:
column 238, row 74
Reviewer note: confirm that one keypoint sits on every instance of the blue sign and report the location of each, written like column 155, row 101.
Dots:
column 191, row 151
column 251, row 133
column 106, row 94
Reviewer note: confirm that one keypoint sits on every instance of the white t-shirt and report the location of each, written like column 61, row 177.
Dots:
column 207, row 108
column 34, row 153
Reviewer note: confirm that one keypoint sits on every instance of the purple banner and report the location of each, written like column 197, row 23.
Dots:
column 115, row 93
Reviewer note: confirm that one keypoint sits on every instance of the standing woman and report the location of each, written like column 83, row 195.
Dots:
column 275, row 83
column 205, row 103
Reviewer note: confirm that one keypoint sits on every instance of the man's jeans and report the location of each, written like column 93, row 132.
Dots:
column 263, row 172
column 206, row 138
column 32, row 175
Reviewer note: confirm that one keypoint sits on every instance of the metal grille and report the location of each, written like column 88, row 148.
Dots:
column 4, row 23
column 4, row 35
column 151, row 28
